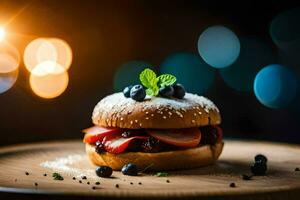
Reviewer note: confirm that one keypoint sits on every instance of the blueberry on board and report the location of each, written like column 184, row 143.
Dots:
column 130, row 169
column 260, row 157
column 259, row 168
column 104, row 171
column 166, row 91
column 179, row 91
column 126, row 91
column 138, row 93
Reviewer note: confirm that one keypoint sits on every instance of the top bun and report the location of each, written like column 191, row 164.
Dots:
column 155, row 112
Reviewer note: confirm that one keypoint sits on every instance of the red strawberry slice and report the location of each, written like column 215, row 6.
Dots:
column 95, row 133
column 187, row 138
column 115, row 143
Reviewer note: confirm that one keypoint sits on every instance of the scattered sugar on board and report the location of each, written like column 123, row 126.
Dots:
column 65, row 165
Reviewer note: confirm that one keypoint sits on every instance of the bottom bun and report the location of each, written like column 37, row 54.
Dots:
column 169, row 160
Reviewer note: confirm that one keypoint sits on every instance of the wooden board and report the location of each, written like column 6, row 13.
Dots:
column 208, row 182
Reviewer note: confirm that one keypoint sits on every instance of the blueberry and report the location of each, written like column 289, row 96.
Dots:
column 104, row 171
column 166, row 91
column 138, row 93
column 179, row 91
column 260, row 157
column 126, row 91
column 99, row 147
column 130, row 169
column 259, row 168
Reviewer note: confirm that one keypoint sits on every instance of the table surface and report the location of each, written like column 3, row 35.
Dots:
column 211, row 182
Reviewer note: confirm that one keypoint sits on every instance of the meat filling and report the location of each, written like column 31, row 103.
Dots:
column 149, row 144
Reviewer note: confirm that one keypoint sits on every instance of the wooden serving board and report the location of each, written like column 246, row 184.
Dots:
column 211, row 182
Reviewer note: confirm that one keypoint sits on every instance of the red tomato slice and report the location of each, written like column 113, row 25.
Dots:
column 95, row 133
column 115, row 143
column 178, row 137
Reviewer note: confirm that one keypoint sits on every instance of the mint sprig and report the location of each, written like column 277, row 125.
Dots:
column 150, row 80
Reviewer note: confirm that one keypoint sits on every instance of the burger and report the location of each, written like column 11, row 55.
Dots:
column 155, row 123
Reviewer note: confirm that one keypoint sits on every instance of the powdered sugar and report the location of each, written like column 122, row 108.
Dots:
column 118, row 102
column 67, row 165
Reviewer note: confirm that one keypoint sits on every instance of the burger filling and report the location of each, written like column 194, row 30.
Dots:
column 116, row 140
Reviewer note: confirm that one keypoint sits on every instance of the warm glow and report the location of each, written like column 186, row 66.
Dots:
column 37, row 51
column 2, row 34
column 47, row 67
column 9, row 58
column 48, row 60
column 64, row 52
column 7, row 63
column 47, row 49
column 46, row 52
column 50, row 85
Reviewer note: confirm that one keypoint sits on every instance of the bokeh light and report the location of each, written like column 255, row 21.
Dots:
column 190, row 70
column 254, row 55
column 285, row 33
column 285, row 29
column 9, row 63
column 7, row 80
column 128, row 74
column 275, row 86
column 63, row 52
column 9, row 58
column 47, row 67
column 47, row 49
column 48, row 59
column 37, row 51
column 48, row 85
column 2, row 34
column 218, row 46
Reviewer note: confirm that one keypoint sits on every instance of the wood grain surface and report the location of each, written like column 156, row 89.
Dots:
column 211, row 182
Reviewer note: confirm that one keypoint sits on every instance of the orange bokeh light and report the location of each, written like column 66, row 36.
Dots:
column 47, row 67
column 47, row 49
column 48, row 59
column 49, row 85
column 9, row 58
column 64, row 52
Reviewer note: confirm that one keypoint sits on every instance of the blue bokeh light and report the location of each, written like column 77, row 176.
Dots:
column 285, row 33
column 128, row 74
column 190, row 70
column 7, row 80
column 254, row 55
column 218, row 46
column 285, row 29
column 275, row 86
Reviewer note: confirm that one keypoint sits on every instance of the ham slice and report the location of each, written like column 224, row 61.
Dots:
column 95, row 133
column 115, row 143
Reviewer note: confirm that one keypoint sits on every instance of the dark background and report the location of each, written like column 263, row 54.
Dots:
column 105, row 34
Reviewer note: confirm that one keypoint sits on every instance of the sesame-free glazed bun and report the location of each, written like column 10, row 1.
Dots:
column 169, row 160
column 155, row 112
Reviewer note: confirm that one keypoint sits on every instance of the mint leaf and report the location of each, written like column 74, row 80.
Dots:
column 152, row 91
column 148, row 78
column 161, row 174
column 166, row 80
column 149, row 92
column 57, row 176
